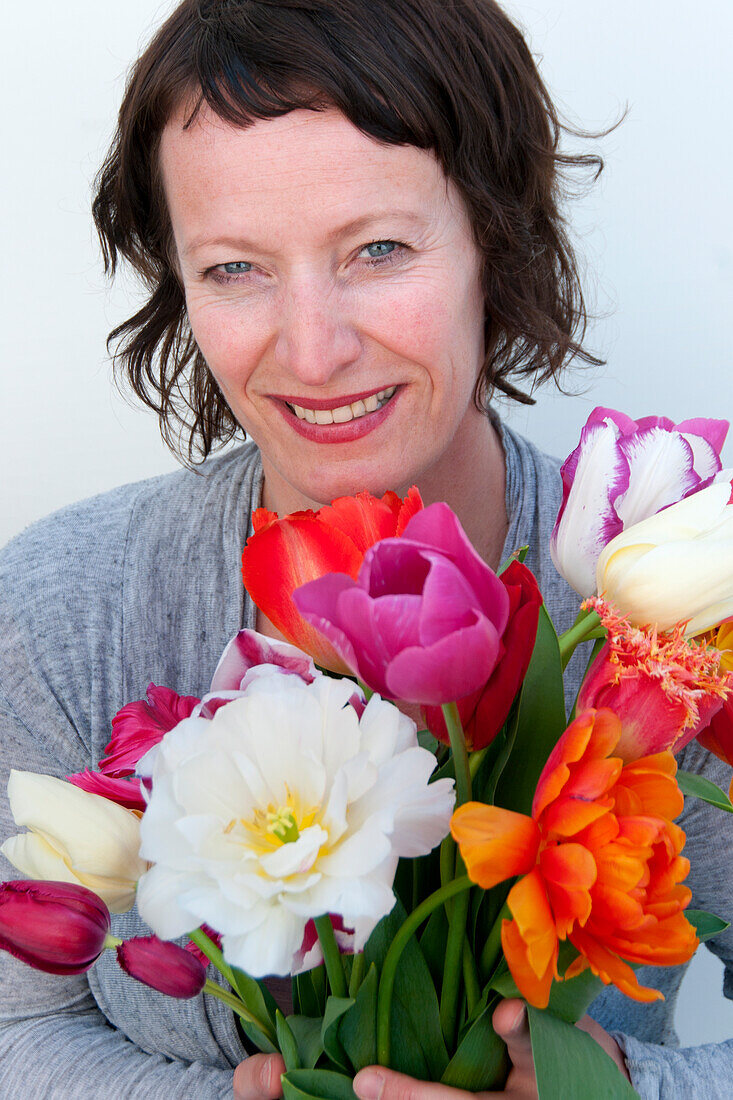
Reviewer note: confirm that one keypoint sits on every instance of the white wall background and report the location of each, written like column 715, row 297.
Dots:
column 656, row 234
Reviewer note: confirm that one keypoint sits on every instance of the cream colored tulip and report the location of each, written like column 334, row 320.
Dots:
column 675, row 566
column 74, row 836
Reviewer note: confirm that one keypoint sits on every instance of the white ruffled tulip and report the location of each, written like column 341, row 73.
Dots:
column 677, row 565
column 285, row 806
column 74, row 837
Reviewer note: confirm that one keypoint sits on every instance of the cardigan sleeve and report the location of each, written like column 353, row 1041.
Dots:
column 59, row 655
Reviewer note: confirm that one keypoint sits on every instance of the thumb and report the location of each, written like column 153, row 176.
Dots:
column 511, row 1025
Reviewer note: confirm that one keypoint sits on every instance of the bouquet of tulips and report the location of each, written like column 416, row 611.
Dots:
column 294, row 821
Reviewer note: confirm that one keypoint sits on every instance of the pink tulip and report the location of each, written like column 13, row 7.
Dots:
column 246, row 657
column 424, row 619
column 663, row 688
column 141, row 725
column 57, row 927
column 163, row 966
column 125, row 792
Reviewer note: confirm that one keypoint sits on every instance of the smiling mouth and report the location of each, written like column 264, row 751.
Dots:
column 342, row 414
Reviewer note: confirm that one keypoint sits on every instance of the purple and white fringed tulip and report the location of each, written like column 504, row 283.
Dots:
column 622, row 472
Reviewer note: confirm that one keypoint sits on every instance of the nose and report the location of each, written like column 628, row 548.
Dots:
column 316, row 338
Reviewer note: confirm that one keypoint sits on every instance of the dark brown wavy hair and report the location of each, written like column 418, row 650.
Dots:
column 451, row 76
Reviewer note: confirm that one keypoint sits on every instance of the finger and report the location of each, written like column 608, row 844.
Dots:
column 258, row 1078
column 377, row 1083
column 511, row 1025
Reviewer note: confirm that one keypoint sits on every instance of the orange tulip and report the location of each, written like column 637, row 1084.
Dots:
column 284, row 554
column 599, row 859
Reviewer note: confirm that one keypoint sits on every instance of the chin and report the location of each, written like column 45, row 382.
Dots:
column 326, row 484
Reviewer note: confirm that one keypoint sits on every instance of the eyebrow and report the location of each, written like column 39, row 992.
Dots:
column 356, row 225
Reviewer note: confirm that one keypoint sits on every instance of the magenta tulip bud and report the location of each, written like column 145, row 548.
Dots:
column 162, row 965
column 58, row 927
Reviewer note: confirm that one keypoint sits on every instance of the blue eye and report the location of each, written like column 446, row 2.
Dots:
column 238, row 267
column 378, row 249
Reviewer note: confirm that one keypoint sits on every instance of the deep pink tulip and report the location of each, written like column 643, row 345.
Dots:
column 125, row 792
column 58, row 927
column 163, row 966
column 424, row 619
column 141, row 725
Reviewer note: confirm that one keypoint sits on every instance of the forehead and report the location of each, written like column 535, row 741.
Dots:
column 307, row 166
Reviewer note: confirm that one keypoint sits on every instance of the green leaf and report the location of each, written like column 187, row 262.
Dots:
column 335, row 1008
column 540, row 722
column 699, row 787
column 358, row 1027
column 432, row 944
column 316, row 1084
column 286, row 1042
column 480, row 1062
column 426, row 740
column 309, row 992
column 416, row 1038
column 707, row 925
column 567, row 1061
column 256, row 997
column 306, row 1031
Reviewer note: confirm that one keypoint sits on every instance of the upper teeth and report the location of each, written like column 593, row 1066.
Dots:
column 343, row 413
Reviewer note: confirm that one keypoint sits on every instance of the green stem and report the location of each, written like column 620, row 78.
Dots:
column 400, row 941
column 213, row 954
column 331, row 956
column 492, row 948
column 238, row 1006
column 111, row 942
column 357, row 973
column 460, row 756
column 578, row 632
column 475, row 761
column 470, row 979
column 452, row 968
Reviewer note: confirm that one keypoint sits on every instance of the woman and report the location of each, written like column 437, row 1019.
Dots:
column 346, row 217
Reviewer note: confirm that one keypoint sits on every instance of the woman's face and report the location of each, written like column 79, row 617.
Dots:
column 332, row 286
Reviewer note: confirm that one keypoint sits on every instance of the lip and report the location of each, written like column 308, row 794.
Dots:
column 337, row 433
column 318, row 404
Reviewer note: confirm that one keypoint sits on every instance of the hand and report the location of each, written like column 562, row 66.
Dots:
column 510, row 1022
column 258, row 1078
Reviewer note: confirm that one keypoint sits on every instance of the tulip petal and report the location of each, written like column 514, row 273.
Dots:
column 439, row 527
column 661, row 472
column 449, row 668
column 495, row 844
column 248, row 649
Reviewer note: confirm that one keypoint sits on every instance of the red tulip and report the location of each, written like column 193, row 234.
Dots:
column 141, row 725
column 717, row 737
column 484, row 712
column 57, row 927
column 163, row 966
column 284, row 554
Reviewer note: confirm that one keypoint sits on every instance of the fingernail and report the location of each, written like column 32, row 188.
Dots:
column 265, row 1076
column 518, row 1021
column 368, row 1085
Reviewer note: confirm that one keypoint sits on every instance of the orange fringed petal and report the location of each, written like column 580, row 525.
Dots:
column 530, row 941
column 495, row 844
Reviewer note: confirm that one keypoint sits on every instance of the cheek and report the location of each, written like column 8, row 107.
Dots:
column 231, row 338
column 436, row 326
